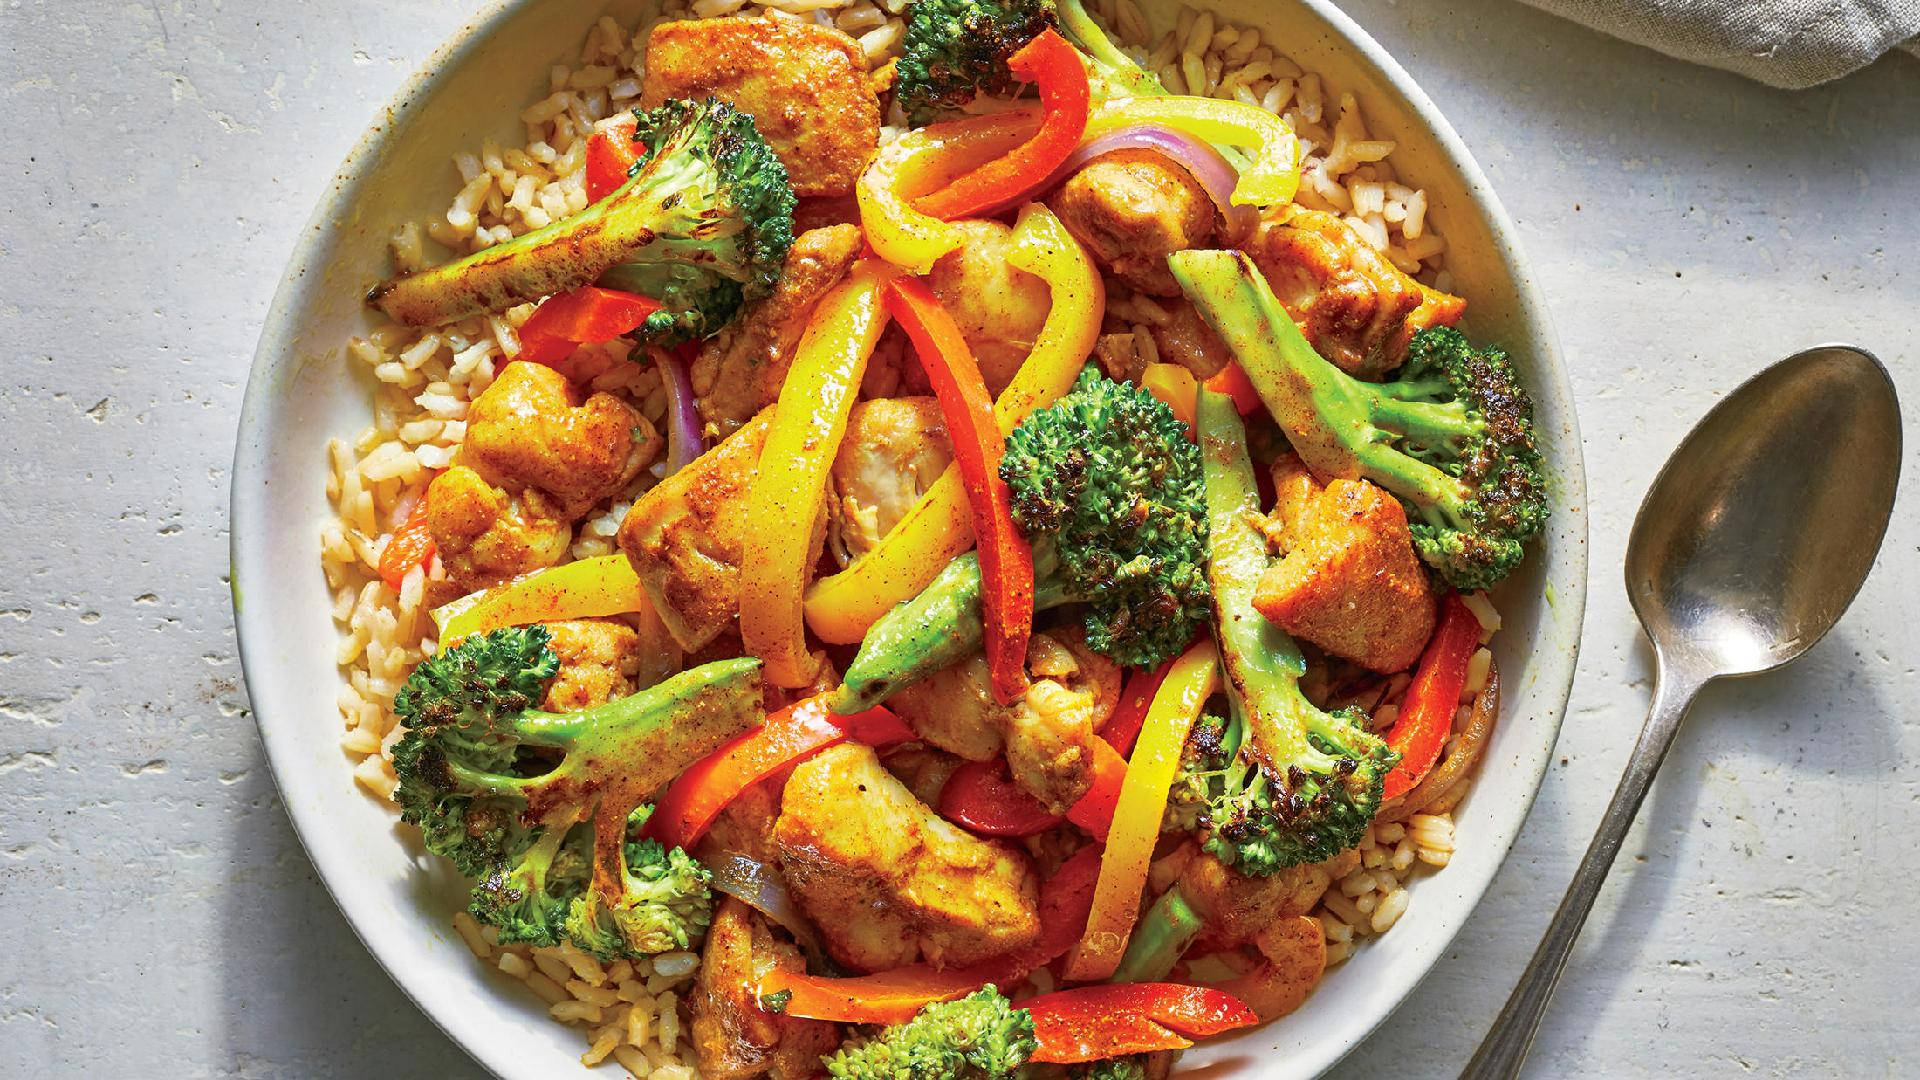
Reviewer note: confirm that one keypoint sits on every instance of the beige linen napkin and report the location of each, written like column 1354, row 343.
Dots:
column 1786, row 43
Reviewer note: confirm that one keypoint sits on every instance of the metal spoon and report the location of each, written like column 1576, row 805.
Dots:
column 1750, row 545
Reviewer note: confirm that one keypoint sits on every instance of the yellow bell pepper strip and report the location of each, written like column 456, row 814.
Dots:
column 789, row 490
column 1272, row 173
column 923, row 161
column 938, row 528
column 1055, row 67
column 1006, row 560
column 1176, row 386
column 577, row 590
column 1193, row 678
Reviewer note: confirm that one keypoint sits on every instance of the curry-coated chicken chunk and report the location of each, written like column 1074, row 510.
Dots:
column 998, row 307
column 685, row 536
column 1237, row 906
column 733, row 1037
column 539, row 453
column 1133, row 208
column 894, row 449
column 738, row 372
column 600, row 659
column 1356, row 307
column 1046, row 735
column 1347, row 578
column 806, row 87
column 887, row 880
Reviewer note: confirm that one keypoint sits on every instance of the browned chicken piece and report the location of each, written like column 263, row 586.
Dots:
column 485, row 535
column 894, row 449
column 824, row 211
column 1046, row 735
column 999, row 309
column 745, row 827
column 738, row 372
column 600, row 660
column 1236, row 906
column 1347, row 579
column 534, row 429
column 684, row 537
column 887, row 880
column 1133, row 208
column 923, row 769
column 1357, row 308
column 733, row 1037
column 1187, row 340
column 805, row 86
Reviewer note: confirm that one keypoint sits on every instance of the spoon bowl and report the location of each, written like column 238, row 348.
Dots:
column 1762, row 525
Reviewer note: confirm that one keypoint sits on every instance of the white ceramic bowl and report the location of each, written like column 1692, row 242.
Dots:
column 303, row 390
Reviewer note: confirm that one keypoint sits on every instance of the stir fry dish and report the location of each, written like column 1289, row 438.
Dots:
column 944, row 544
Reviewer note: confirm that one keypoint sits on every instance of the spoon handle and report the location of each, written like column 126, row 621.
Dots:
column 1505, row 1047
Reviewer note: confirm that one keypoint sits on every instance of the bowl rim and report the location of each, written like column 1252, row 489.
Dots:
column 248, row 495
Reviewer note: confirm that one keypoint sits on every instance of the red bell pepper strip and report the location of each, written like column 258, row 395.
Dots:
column 1006, row 560
column 1092, row 1023
column 1123, row 727
column 611, row 156
column 1426, row 713
column 980, row 798
column 891, row 997
column 1094, row 811
column 410, row 546
column 692, row 801
column 565, row 321
column 1232, row 381
column 1065, row 100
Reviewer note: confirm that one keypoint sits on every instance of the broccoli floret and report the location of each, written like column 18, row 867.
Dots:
column 1284, row 781
column 1131, row 1067
column 540, row 807
column 1452, row 438
column 980, row 1035
column 955, row 49
column 1105, row 483
column 665, row 904
column 704, row 222
column 735, row 210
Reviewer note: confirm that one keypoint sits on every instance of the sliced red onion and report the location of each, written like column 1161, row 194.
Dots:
column 684, row 441
column 1199, row 159
column 762, row 888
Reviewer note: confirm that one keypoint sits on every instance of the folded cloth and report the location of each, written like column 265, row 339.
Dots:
column 1787, row 43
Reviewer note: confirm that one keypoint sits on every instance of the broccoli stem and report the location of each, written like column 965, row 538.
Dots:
column 1162, row 937
column 934, row 630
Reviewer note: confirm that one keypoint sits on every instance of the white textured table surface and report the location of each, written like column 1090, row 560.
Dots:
column 158, row 918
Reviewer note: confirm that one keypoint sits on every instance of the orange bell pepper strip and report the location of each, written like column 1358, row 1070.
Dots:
column 1093, row 1023
column 1232, row 381
column 565, row 321
column 1142, row 802
column 411, row 545
column 892, row 997
column 683, row 814
column 1006, row 559
column 1176, row 386
column 1426, row 713
column 788, row 495
column 611, row 155
column 1053, row 65
column 1095, row 810
column 840, row 608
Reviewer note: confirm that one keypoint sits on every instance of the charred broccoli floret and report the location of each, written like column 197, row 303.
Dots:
column 703, row 222
column 541, row 807
column 1452, row 438
column 1284, row 782
column 979, row 1036
column 955, row 49
column 1105, row 483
